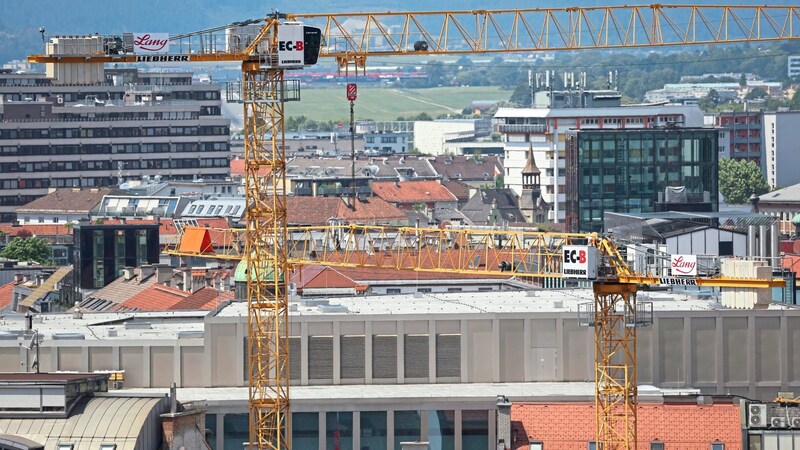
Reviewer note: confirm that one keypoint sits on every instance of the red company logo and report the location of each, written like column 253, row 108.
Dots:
column 147, row 43
column 683, row 267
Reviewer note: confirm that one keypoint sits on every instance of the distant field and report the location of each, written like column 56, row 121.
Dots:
column 388, row 103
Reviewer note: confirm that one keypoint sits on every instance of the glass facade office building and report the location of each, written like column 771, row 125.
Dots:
column 639, row 171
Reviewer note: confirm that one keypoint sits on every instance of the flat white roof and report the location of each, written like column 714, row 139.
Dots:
column 426, row 396
column 492, row 302
column 633, row 110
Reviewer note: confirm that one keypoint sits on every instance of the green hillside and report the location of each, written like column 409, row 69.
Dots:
column 387, row 103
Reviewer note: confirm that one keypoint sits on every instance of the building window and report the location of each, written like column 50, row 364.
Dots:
column 593, row 446
column 717, row 446
column 656, row 446
column 108, row 446
column 392, row 291
column 65, row 446
column 535, row 445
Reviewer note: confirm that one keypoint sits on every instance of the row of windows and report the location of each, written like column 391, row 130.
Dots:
column 37, row 183
column 82, row 96
column 71, row 133
column 94, row 149
column 215, row 209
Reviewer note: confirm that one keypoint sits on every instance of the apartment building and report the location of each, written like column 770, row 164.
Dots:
column 543, row 131
column 744, row 135
column 781, row 159
column 94, row 135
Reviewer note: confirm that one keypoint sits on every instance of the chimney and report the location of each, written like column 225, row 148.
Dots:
column 26, row 277
column 187, row 279
column 18, row 278
column 144, row 271
column 504, row 433
column 164, row 273
column 127, row 273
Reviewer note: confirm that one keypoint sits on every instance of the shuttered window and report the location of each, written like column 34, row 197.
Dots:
column 416, row 356
column 384, row 356
column 320, row 357
column 295, row 357
column 448, row 355
column 352, row 357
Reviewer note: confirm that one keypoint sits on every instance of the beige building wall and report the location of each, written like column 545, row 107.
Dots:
column 749, row 353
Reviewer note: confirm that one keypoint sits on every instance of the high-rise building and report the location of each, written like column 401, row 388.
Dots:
column 781, row 158
column 92, row 135
column 639, row 171
column 543, row 130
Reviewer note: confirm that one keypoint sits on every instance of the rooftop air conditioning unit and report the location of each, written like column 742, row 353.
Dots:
column 795, row 422
column 778, row 422
column 757, row 415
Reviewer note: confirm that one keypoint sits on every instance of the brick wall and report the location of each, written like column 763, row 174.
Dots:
column 570, row 426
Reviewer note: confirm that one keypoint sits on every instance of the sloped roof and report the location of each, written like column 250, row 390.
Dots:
column 120, row 420
column 371, row 210
column 319, row 277
column 479, row 207
column 424, row 191
column 117, row 292
column 155, row 297
column 458, row 188
column 203, row 299
column 6, row 293
column 37, row 230
column 238, row 168
column 311, row 210
column 789, row 194
column 468, row 168
column 66, row 201
column 317, row 211
column 166, row 227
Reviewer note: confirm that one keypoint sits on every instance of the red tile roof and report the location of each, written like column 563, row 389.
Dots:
column 37, row 230
column 238, row 168
column 167, row 226
column 155, row 298
column 412, row 191
column 6, row 291
column 311, row 210
column 203, row 299
column 319, row 277
column 372, row 210
column 67, row 201
column 318, row 210
column 569, row 426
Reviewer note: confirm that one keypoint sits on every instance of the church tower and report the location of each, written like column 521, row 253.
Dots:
column 531, row 203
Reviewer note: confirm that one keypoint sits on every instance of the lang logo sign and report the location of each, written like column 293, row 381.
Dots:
column 144, row 43
column 683, row 265
column 580, row 261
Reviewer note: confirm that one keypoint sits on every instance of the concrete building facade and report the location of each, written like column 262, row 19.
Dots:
column 781, row 135
column 544, row 131
column 436, row 361
column 96, row 135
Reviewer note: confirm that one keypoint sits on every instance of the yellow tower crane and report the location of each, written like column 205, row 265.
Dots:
column 266, row 47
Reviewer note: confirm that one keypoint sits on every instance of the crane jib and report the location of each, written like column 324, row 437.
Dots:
column 162, row 58
column 678, row 281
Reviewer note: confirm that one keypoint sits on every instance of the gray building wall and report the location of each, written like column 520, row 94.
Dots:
column 749, row 353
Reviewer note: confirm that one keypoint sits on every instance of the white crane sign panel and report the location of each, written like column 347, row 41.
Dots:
column 580, row 261
column 150, row 43
column 290, row 44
